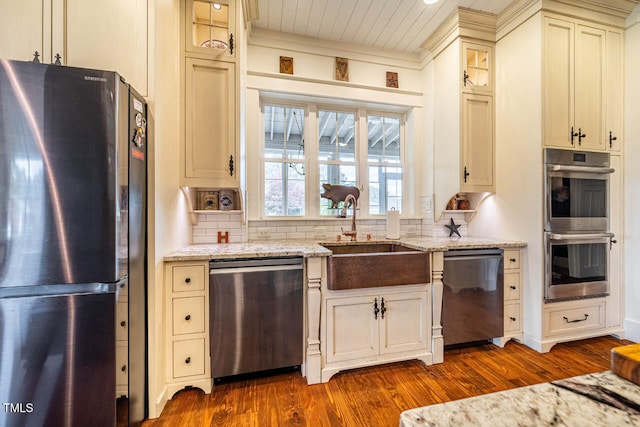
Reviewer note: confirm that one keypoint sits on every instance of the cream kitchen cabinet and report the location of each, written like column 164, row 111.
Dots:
column 210, row 29
column 187, row 326
column 211, row 118
column 464, row 119
column 89, row 34
column 582, row 85
column 513, row 295
column 364, row 328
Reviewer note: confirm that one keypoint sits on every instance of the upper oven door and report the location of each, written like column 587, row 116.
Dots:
column 577, row 198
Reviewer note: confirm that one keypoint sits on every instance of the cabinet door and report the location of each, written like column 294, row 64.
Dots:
column 22, row 25
column 614, row 91
column 405, row 323
column 108, row 35
column 210, row 121
column 558, row 82
column 352, row 328
column 477, row 143
column 477, row 62
column 589, row 87
column 209, row 28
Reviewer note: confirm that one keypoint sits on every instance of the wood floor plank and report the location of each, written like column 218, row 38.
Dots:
column 377, row 395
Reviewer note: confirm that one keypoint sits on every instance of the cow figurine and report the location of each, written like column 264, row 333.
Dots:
column 337, row 194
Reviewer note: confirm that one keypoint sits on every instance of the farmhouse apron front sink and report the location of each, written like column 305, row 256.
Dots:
column 370, row 265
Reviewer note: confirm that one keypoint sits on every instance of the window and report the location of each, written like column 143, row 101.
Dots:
column 284, row 176
column 343, row 147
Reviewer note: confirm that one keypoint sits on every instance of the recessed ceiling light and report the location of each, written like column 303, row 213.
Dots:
column 430, row 1
column 217, row 6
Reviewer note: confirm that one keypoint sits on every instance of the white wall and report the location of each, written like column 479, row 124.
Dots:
column 169, row 225
column 632, row 177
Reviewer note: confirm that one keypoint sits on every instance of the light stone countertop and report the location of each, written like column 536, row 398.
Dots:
column 540, row 405
column 311, row 248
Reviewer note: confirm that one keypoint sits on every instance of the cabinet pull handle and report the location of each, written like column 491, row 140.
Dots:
column 376, row 310
column 513, row 319
column 187, row 317
column 124, row 368
column 231, row 165
column 231, row 43
column 580, row 136
column 187, row 280
column 611, row 139
column 465, row 174
column 123, row 323
column 383, row 309
column 513, row 287
column 465, row 77
column 187, row 360
column 577, row 320
column 573, row 135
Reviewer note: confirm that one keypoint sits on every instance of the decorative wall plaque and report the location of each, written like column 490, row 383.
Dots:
column 286, row 65
column 392, row 79
column 342, row 69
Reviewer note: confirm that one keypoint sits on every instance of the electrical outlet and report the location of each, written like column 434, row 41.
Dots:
column 264, row 233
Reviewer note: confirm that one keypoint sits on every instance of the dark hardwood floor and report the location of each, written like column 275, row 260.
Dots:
column 376, row 396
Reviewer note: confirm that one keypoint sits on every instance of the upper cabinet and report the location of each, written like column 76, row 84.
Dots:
column 582, row 85
column 210, row 29
column 211, row 115
column 464, row 120
column 81, row 33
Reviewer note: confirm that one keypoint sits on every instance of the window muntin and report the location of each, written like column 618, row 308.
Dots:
column 284, row 167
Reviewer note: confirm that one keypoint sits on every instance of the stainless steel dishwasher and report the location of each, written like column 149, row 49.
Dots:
column 473, row 297
column 256, row 314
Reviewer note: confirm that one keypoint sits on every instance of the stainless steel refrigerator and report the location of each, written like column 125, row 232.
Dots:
column 72, row 235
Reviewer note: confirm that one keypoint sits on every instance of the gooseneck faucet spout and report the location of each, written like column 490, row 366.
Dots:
column 353, row 233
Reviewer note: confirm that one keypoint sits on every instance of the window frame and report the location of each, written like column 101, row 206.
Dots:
column 313, row 201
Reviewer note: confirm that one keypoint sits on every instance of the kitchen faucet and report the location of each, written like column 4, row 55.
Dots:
column 353, row 233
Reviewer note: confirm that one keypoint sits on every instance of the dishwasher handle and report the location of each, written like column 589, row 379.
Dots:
column 235, row 270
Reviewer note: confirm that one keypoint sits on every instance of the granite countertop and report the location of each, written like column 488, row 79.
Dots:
column 309, row 248
column 601, row 399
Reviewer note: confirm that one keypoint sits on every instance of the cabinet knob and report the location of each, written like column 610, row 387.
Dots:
column 187, row 360
column 123, row 323
column 512, row 259
column 187, row 317
column 513, row 319
column 124, row 368
column 512, row 287
column 187, row 280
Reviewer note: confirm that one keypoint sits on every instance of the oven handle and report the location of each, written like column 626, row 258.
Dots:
column 555, row 236
column 586, row 169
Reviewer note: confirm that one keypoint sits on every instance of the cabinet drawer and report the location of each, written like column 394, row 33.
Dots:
column 511, row 286
column 511, row 318
column 188, row 358
column 122, row 364
column 122, row 324
column 188, row 315
column 575, row 319
column 188, row 278
column 511, row 259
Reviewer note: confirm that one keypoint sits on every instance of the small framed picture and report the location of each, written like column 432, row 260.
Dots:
column 342, row 69
column 286, row 65
column 392, row 79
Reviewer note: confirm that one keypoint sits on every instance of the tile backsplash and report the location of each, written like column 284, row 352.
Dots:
column 209, row 224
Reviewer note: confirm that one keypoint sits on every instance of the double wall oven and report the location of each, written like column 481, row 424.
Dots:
column 576, row 232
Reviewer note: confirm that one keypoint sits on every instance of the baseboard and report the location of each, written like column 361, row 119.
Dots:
column 534, row 343
column 632, row 329
column 156, row 409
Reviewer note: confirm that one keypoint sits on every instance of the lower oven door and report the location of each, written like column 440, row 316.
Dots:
column 576, row 265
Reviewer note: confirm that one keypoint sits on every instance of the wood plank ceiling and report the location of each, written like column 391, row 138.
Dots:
column 393, row 25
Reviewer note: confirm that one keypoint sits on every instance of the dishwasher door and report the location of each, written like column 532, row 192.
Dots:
column 473, row 297
column 256, row 318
